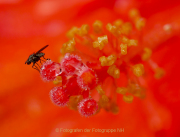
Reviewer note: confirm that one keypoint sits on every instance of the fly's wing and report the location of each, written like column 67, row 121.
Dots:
column 41, row 49
column 39, row 54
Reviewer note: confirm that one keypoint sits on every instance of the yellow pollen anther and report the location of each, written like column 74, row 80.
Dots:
column 103, row 103
column 137, row 19
column 132, row 42
column 105, row 98
column 113, row 29
column 101, row 42
column 68, row 47
column 126, row 28
column 71, row 33
column 113, row 71
column 136, row 90
column 147, row 54
column 159, row 73
column 121, row 90
column 128, row 98
column 125, row 40
column 100, row 90
column 97, row 26
column 80, row 31
column 138, row 70
column 123, row 49
column 140, row 23
column 84, row 30
column 134, row 13
column 110, row 60
column 103, row 61
column 118, row 23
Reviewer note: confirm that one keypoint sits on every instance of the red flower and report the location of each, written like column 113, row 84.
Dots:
column 26, row 109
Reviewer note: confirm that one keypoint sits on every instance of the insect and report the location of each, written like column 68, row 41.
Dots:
column 35, row 57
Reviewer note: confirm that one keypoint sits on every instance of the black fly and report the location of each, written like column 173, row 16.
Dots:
column 35, row 57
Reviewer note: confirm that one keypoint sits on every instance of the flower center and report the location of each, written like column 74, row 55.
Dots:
column 112, row 50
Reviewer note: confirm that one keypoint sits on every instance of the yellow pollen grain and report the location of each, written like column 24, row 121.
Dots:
column 84, row 30
column 103, row 103
column 133, row 88
column 136, row 90
column 138, row 70
column 97, row 26
column 113, row 71
column 113, row 29
column 96, row 44
column 147, row 54
column 137, row 19
column 132, row 42
column 100, row 90
column 111, row 59
column 108, row 61
column 140, row 23
column 128, row 98
column 123, row 49
column 68, row 47
column 121, row 90
column 101, row 42
column 159, row 73
column 103, row 61
column 125, row 40
column 134, row 13
column 118, row 23
column 126, row 28
column 71, row 33
column 105, row 98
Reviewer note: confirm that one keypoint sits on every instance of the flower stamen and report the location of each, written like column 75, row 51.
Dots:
column 113, row 71
column 108, row 61
column 101, row 42
column 94, row 57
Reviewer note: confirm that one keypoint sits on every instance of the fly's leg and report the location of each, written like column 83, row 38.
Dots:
column 38, row 66
column 40, row 61
column 35, row 67
column 45, row 58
